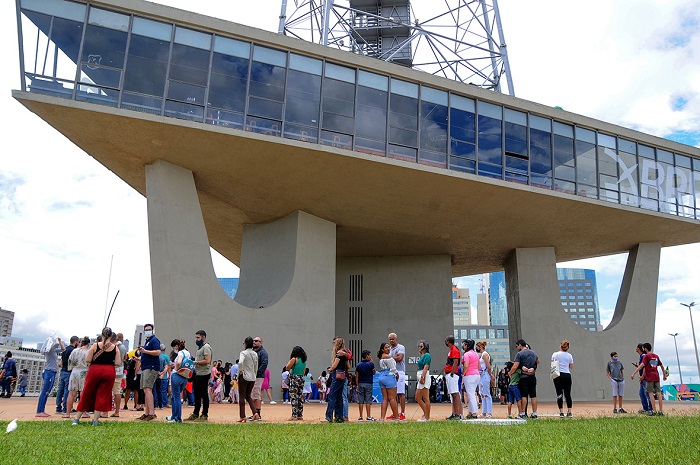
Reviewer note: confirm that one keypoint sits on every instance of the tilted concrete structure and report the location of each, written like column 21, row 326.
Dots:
column 346, row 188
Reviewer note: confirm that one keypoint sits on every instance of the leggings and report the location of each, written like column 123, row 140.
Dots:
column 245, row 389
column 562, row 384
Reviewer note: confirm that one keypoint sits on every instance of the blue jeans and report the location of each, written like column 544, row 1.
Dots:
column 345, row 399
column 49, row 377
column 160, row 399
column 335, row 399
column 644, row 397
column 62, row 391
column 164, row 392
column 7, row 385
column 177, row 384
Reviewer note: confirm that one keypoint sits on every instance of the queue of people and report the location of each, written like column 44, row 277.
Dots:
column 98, row 373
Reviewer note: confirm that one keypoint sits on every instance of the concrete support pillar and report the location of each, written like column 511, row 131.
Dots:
column 535, row 314
column 287, row 284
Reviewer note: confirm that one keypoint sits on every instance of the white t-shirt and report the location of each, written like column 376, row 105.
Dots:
column 565, row 359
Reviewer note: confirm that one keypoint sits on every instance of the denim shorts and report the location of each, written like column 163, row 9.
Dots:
column 513, row 394
column 364, row 393
column 387, row 381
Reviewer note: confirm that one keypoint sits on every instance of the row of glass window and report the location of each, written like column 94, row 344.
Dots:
column 118, row 59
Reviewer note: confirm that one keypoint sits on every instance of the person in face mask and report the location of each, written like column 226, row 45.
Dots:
column 616, row 373
column 150, row 369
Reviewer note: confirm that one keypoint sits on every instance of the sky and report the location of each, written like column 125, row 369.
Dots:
column 64, row 218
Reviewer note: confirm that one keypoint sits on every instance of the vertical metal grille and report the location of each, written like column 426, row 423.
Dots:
column 355, row 320
column 355, row 288
column 355, row 346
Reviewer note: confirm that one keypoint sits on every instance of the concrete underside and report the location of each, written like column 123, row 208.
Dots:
column 381, row 206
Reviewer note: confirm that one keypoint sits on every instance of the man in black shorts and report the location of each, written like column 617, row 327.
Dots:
column 527, row 361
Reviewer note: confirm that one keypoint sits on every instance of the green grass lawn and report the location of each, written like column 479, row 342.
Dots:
column 639, row 440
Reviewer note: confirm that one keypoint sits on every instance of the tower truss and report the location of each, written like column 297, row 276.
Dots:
column 457, row 39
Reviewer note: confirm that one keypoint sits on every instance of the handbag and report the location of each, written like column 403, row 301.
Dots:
column 554, row 370
column 340, row 375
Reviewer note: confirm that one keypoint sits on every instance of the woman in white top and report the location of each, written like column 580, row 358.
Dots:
column 486, row 378
column 388, row 375
column 562, row 383
column 247, row 370
column 178, row 379
column 78, row 370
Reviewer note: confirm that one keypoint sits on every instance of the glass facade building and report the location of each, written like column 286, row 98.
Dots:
column 498, row 306
column 83, row 52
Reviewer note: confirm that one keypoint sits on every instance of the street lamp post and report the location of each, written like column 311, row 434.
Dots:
column 677, row 359
column 692, row 326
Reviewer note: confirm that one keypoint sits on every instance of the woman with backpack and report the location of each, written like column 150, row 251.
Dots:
column 297, row 368
column 178, row 380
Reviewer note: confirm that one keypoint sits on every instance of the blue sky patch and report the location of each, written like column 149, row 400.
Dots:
column 691, row 138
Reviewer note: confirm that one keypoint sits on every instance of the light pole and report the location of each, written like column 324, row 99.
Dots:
column 677, row 359
column 692, row 326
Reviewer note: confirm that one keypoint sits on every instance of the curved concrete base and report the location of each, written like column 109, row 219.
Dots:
column 287, row 282
column 535, row 313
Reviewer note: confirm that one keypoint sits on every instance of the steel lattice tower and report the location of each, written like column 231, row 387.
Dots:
column 457, row 39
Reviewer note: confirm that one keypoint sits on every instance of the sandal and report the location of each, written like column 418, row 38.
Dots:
column 114, row 415
column 242, row 420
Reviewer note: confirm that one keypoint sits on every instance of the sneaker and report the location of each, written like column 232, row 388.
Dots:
column 642, row 412
column 149, row 418
column 622, row 410
column 451, row 417
column 339, row 420
column 402, row 417
column 360, row 419
column 522, row 416
column 569, row 415
column 202, row 418
column 614, row 410
column 96, row 423
column 510, row 417
column 192, row 417
column 422, row 419
column 272, row 402
column 391, row 417
column 172, row 420
column 371, row 419
column 651, row 413
column 534, row 415
column 74, row 422
column 561, row 414
column 660, row 413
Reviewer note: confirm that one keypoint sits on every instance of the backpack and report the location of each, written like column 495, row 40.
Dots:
column 186, row 367
column 318, row 383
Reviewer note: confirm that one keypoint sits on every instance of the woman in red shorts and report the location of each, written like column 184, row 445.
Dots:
column 97, row 393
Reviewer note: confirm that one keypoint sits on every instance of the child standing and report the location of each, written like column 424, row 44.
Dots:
column 514, row 396
column 364, row 377
column 616, row 373
column 23, row 381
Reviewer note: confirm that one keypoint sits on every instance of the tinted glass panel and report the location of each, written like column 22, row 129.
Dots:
column 403, row 112
column 227, row 85
column 339, row 97
column 564, row 158
column 184, row 111
column 265, row 108
column 371, row 113
column 334, row 139
column 263, row 126
column 189, row 64
column 585, row 163
column 403, row 153
column 147, row 65
column 142, row 103
column 490, row 145
column 303, row 98
column 462, row 125
column 463, row 149
column 302, row 133
column 227, row 119
column 370, row 146
column 540, row 152
column 516, row 139
column 267, row 81
column 104, row 47
column 462, row 164
column 338, row 123
column 433, row 128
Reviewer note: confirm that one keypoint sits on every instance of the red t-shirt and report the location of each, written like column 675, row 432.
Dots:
column 651, row 364
column 452, row 355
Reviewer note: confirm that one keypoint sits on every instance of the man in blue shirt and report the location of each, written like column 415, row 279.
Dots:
column 364, row 378
column 150, row 370
column 49, row 375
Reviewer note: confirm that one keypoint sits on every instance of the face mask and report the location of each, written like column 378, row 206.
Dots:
column 200, row 343
column 148, row 333
column 614, row 359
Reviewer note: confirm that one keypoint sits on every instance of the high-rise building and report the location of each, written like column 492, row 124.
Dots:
column 461, row 306
column 482, row 309
column 579, row 296
column 6, row 319
column 577, row 291
column 230, row 286
column 496, row 337
column 497, row 298
column 31, row 359
column 139, row 339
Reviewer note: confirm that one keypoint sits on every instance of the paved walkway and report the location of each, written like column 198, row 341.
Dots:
column 24, row 409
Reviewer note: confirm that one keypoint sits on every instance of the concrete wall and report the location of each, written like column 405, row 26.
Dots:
column 411, row 296
column 287, row 287
column 535, row 314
